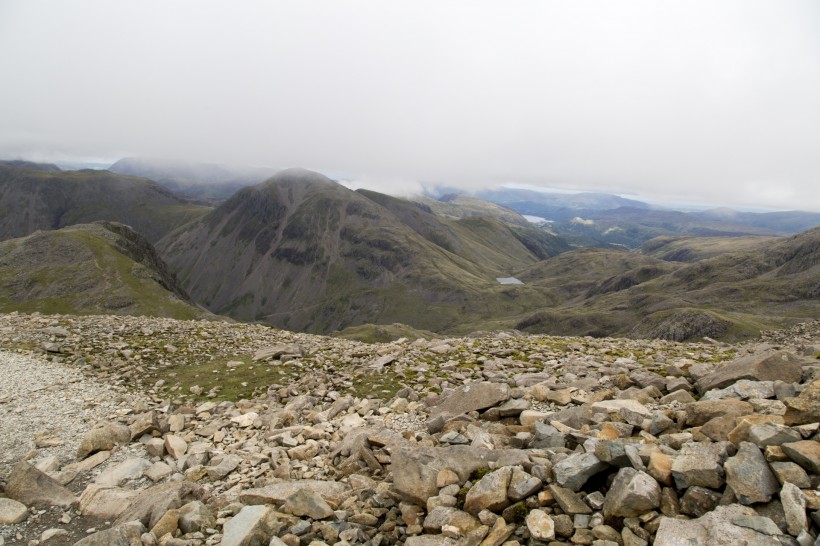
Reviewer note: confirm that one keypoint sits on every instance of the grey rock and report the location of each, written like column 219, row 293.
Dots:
column 772, row 434
column 749, row 475
column 105, row 502
column 697, row 501
column 765, row 366
column 522, row 485
column 569, row 501
column 222, row 466
column 151, row 503
column 574, row 471
column 546, row 436
column 787, row 471
column 472, row 397
column 697, row 467
column 415, row 470
column 805, row 408
column 758, row 523
column 28, row 485
column 632, row 494
column 490, row 492
column 715, row 529
column 441, row 516
column 794, row 508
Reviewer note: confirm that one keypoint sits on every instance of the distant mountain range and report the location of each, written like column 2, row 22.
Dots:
column 302, row 252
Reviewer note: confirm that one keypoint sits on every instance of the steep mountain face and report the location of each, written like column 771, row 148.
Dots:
column 44, row 198
column 731, row 295
column 302, row 252
column 89, row 269
column 192, row 179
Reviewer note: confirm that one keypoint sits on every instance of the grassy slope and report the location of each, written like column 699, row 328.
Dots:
column 77, row 270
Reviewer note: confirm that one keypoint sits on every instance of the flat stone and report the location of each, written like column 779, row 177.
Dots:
column 448, row 516
column 522, row 485
column 618, row 406
column 167, row 524
column 151, row 503
column 12, row 511
column 771, row 434
column 758, row 523
column 764, row 366
column 278, row 493
column 741, row 431
column 222, row 466
column 105, row 502
column 632, row 494
column 158, row 471
column 806, row 453
column 787, row 471
column 749, row 475
column 472, row 397
column 540, row 525
column 275, row 351
column 130, row 469
column 28, row 485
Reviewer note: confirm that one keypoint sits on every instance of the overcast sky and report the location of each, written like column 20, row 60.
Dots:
column 698, row 101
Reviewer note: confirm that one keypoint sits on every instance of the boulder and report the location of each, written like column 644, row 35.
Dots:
column 307, row 503
column 490, row 492
column 697, row 467
column 28, row 485
column 701, row 412
column 105, row 502
column 764, row 366
column 749, row 475
column 794, row 508
column 151, row 503
column 195, row 517
column 632, row 494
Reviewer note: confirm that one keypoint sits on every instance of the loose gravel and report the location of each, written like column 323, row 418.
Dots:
column 50, row 401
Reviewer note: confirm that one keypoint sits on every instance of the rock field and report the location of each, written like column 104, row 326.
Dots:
column 108, row 438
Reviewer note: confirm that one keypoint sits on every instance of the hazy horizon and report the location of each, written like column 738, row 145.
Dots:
column 711, row 103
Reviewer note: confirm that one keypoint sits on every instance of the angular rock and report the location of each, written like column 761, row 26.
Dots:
column 697, row 467
column 806, row 453
column 700, row 413
column 151, row 503
column 103, row 438
column 222, row 466
column 448, row 516
column 105, row 502
column 251, row 526
column 167, row 524
column 764, row 366
column 415, row 470
column 130, row 469
column 175, row 446
column 540, row 525
column 308, row 503
column 12, row 511
column 490, row 492
column 522, row 485
column 787, row 471
column 195, row 517
column 574, row 471
column 715, row 529
column 749, row 475
column 805, row 408
column 275, row 351
column 697, row 501
column 794, row 508
column 569, row 501
column 126, row 534
column 28, row 485
column 632, row 494
column 771, row 434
